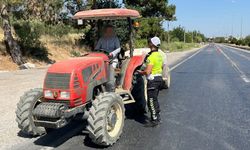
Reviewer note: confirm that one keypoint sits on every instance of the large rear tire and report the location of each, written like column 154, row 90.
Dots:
column 106, row 119
column 24, row 116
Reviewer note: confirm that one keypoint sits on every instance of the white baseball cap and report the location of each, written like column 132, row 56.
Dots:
column 156, row 41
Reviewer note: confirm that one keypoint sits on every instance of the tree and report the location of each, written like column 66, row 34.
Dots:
column 232, row 40
column 152, row 8
column 154, row 13
column 150, row 27
column 220, row 40
column 247, row 40
column 11, row 45
column 198, row 37
column 45, row 10
column 178, row 33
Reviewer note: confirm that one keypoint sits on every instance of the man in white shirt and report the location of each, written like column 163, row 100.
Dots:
column 110, row 43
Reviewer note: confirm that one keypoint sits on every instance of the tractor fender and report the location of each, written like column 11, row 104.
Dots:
column 132, row 65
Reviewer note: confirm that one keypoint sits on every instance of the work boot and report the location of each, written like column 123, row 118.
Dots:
column 158, row 118
column 152, row 123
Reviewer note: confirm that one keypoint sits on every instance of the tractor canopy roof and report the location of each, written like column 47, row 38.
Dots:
column 107, row 14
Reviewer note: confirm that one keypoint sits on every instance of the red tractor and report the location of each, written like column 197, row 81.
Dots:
column 77, row 87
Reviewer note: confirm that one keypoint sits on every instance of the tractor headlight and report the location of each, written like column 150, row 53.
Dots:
column 48, row 94
column 65, row 95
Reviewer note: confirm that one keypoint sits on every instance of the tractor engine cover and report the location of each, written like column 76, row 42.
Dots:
column 49, row 110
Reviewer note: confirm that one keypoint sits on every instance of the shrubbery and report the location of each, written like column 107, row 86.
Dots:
column 242, row 42
column 141, row 43
column 247, row 40
column 29, row 33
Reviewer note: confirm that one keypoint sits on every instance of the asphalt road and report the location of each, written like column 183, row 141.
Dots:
column 206, row 108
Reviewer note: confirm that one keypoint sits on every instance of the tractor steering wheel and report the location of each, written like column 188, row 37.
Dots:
column 101, row 51
column 111, row 59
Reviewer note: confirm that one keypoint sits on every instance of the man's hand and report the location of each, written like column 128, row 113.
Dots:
column 147, row 71
column 110, row 55
column 141, row 72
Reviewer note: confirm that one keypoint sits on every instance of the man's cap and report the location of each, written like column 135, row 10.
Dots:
column 156, row 41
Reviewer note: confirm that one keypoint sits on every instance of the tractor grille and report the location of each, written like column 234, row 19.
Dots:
column 57, row 81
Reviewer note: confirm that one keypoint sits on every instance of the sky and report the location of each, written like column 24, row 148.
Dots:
column 213, row 17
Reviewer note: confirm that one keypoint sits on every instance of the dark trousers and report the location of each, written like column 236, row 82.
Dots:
column 110, row 85
column 153, row 88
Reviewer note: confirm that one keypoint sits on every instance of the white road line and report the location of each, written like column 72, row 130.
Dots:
column 177, row 65
column 243, row 50
column 235, row 66
column 248, row 58
column 47, row 148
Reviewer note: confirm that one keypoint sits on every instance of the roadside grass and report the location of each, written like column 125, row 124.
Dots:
column 61, row 48
column 178, row 46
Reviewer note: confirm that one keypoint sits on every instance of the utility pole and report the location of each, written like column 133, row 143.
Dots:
column 192, row 36
column 232, row 32
column 184, row 36
column 168, row 32
column 241, row 26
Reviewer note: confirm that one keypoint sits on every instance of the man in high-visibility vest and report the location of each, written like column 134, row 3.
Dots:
column 153, row 72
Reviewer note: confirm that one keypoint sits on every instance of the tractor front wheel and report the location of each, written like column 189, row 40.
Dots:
column 24, row 110
column 106, row 119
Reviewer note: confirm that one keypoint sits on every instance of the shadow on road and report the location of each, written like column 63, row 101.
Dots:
column 58, row 137
column 133, row 112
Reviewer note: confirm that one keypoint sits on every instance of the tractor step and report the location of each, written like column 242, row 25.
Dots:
column 126, row 95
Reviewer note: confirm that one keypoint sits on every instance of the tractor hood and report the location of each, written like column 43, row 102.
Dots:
column 68, row 66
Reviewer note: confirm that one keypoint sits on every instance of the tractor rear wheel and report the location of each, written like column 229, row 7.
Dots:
column 106, row 119
column 24, row 110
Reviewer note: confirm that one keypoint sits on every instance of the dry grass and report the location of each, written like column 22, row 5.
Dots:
column 6, row 62
column 58, row 48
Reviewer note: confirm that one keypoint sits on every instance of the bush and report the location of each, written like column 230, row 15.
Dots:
column 75, row 53
column 141, row 43
column 29, row 33
column 247, row 40
column 175, row 39
column 240, row 42
column 58, row 30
